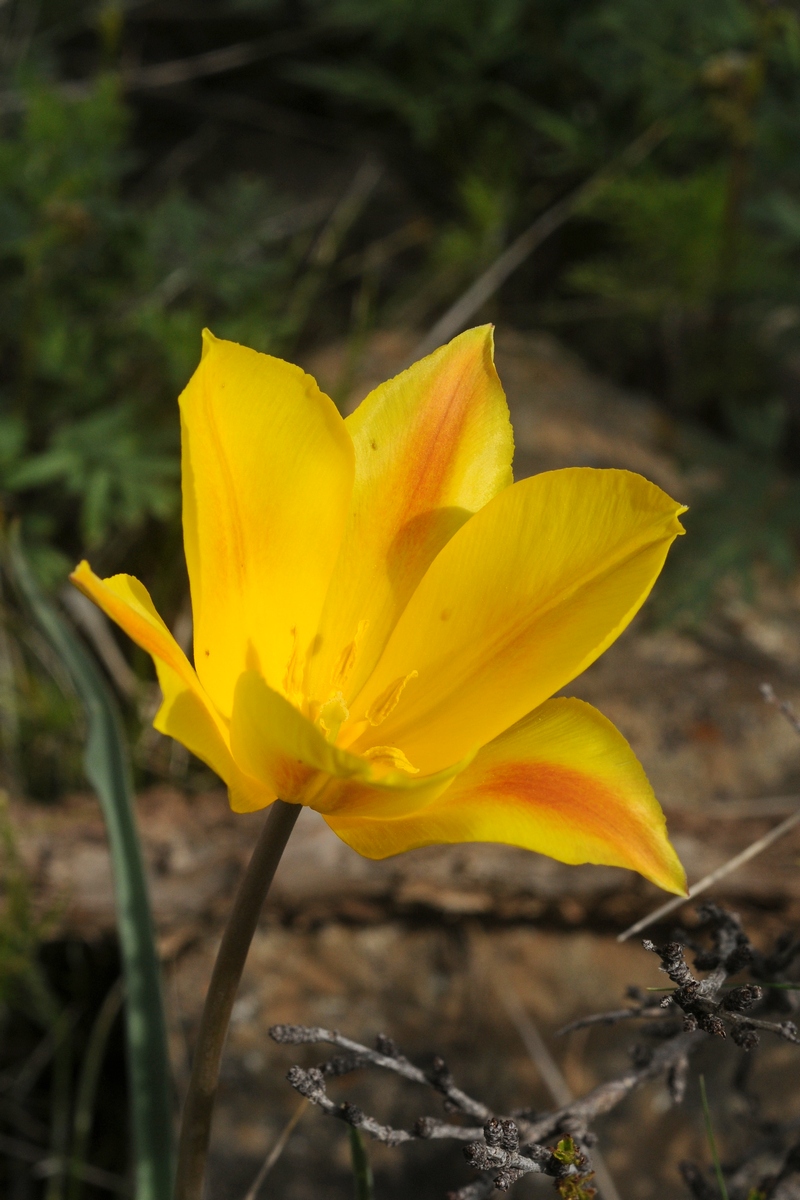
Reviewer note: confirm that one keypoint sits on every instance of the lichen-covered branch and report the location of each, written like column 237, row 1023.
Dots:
column 387, row 1056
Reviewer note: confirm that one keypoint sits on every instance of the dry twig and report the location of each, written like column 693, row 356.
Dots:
column 503, row 1148
column 551, row 1075
column 276, row 1151
column 755, row 848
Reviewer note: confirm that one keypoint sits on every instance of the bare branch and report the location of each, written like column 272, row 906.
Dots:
column 438, row 1078
column 783, row 706
column 311, row 1084
column 577, row 1115
column 612, row 1018
column 572, row 1118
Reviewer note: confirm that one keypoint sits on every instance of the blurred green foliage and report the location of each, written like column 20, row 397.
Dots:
column 680, row 275
column 502, row 105
column 21, row 929
column 101, row 306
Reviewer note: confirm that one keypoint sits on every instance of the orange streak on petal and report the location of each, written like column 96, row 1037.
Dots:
column 432, row 446
column 563, row 795
column 428, row 469
column 562, row 782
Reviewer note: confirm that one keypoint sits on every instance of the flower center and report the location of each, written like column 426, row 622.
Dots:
column 333, row 715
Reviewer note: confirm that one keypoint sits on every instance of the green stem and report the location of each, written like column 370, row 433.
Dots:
column 362, row 1171
column 199, row 1106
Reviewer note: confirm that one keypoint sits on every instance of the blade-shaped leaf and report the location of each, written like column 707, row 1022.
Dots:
column 108, row 771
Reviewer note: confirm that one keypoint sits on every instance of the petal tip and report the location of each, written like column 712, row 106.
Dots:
column 670, row 876
column 483, row 333
column 79, row 570
column 680, row 510
column 209, row 341
column 83, row 578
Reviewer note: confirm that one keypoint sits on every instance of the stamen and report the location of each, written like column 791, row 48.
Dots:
column 388, row 700
column 391, row 756
column 347, row 659
column 292, row 680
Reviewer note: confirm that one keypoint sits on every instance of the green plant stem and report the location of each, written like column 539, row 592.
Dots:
column 199, row 1105
column 362, row 1171
column 712, row 1142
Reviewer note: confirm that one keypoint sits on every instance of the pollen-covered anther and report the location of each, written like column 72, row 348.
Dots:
column 392, row 757
column 332, row 715
column 388, row 700
column 347, row 659
column 292, row 680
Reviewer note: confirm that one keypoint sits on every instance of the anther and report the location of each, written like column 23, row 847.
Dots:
column 388, row 700
column 391, row 756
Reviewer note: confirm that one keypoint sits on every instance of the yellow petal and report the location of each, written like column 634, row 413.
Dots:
column 186, row 713
column 563, row 781
column 521, row 600
column 432, row 446
column 267, row 476
column 273, row 742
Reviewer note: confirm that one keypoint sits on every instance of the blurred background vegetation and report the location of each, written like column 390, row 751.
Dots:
column 292, row 173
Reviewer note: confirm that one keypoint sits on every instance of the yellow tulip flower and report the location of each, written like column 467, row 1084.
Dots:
column 381, row 615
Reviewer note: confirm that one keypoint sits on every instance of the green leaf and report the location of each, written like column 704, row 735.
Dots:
column 108, row 771
column 362, row 1171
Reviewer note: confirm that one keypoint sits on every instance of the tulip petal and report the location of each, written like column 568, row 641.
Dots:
column 186, row 713
column 521, row 600
column 267, row 476
column 432, row 446
column 563, row 782
column 272, row 741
